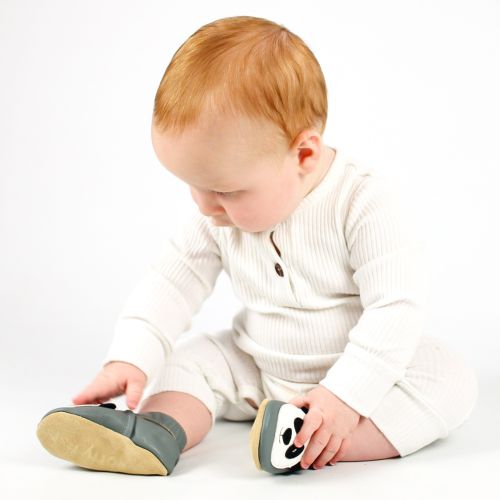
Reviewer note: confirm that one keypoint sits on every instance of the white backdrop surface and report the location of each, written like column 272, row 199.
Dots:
column 85, row 204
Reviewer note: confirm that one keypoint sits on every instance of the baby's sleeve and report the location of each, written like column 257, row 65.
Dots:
column 387, row 256
column 162, row 304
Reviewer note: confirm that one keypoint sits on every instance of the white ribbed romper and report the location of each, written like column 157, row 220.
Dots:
column 333, row 295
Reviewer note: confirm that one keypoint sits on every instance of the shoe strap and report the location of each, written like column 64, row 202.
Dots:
column 109, row 405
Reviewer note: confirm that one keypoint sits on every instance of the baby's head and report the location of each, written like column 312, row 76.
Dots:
column 239, row 116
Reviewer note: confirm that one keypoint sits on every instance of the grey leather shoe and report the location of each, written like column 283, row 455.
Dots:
column 99, row 437
column 273, row 432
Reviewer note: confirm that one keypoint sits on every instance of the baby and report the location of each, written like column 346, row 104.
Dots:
column 319, row 251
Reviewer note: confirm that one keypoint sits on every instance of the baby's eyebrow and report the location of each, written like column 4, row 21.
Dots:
column 225, row 189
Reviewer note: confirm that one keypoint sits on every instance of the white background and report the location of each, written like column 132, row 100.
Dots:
column 85, row 204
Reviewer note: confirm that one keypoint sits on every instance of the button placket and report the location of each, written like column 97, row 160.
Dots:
column 277, row 265
column 274, row 244
column 279, row 269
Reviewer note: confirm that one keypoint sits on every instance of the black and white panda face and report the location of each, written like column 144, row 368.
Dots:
column 284, row 453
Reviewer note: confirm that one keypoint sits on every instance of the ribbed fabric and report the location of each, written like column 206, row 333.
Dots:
column 334, row 294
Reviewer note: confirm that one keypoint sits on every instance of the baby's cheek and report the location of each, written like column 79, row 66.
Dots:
column 242, row 218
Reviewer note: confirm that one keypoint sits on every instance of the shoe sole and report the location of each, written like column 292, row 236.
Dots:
column 256, row 432
column 94, row 446
column 262, row 435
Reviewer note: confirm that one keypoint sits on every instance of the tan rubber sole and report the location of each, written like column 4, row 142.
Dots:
column 255, row 433
column 94, row 446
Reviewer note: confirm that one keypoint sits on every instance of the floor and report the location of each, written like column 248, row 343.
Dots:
column 462, row 466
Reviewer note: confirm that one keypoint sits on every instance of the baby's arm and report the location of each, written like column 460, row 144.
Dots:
column 162, row 304
column 390, row 271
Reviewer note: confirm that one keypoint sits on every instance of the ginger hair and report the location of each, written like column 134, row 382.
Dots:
column 247, row 66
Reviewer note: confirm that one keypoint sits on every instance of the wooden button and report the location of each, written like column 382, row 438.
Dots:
column 278, row 268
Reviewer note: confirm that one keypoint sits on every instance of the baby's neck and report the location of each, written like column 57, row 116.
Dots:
column 326, row 159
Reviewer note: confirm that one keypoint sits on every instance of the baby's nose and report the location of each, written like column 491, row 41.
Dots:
column 209, row 208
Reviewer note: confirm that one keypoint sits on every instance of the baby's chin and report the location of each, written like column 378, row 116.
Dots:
column 224, row 222
column 221, row 222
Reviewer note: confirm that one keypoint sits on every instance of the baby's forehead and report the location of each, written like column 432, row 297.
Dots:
column 214, row 161
column 239, row 134
column 225, row 178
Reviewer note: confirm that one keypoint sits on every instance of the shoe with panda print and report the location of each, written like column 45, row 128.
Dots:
column 273, row 432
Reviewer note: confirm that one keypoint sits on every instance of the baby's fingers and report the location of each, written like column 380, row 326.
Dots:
column 299, row 401
column 134, row 393
column 86, row 397
column 91, row 396
column 312, row 421
column 99, row 391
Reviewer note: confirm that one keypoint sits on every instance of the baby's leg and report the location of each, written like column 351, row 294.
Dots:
column 193, row 416
column 436, row 396
column 201, row 380
column 367, row 443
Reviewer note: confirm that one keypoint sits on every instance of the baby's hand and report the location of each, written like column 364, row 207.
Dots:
column 114, row 379
column 328, row 424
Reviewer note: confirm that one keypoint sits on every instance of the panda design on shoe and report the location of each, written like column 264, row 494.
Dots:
column 272, row 436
